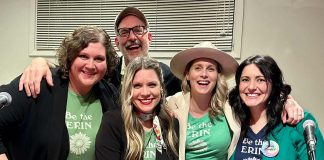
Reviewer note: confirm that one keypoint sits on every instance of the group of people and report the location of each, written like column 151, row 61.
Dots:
column 94, row 105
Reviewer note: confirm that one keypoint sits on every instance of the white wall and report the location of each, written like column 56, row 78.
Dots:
column 291, row 31
column 14, row 31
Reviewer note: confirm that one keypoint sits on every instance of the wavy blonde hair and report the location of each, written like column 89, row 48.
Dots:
column 134, row 130
column 220, row 92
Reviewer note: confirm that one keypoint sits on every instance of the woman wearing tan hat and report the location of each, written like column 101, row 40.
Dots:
column 207, row 127
column 200, row 107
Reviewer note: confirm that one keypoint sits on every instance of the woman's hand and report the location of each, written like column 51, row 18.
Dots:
column 32, row 76
column 292, row 113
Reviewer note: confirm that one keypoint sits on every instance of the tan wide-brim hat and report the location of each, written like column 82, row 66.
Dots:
column 203, row 50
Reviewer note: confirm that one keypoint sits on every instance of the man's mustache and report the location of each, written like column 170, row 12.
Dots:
column 130, row 43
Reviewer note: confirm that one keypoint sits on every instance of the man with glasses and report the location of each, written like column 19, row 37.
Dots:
column 133, row 39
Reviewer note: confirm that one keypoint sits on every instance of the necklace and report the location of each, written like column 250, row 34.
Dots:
column 145, row 116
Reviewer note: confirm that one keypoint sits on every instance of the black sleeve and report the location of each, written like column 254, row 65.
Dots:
column 111, row 138
column 108, row 95
column 11, row 116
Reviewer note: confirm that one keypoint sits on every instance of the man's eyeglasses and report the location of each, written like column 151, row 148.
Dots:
column 137, row 30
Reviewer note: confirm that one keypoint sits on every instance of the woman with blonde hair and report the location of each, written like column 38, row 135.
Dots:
column 143, row 128
column 205, row 130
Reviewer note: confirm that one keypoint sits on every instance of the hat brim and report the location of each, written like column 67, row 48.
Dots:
column 180, row 61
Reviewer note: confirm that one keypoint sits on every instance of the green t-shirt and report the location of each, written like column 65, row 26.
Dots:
column 149, row 145
column 82, row 118
column 206, row 140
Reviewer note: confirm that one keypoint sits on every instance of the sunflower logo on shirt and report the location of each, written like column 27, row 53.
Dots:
column 79, row 143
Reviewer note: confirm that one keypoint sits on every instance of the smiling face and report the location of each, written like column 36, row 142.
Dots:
column 146, row 90
column 254, row 88
column 202, row 76
column 88, row 68
column 134, row 45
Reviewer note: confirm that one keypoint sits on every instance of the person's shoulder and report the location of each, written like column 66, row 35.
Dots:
column 113, row 77
column 294, row 134
column 165, row 68
column 176, row 100
column 298, row 129
column 57, row 75
column 113, row 116
column 164, row 65
column 56, row 72
column 115, row 113
column 119, row 63
column 178, row 95
column 107, row 88
column 106, row 84
column 12, row 89
column 172, row 83
column 307, row 116
column 112, row 120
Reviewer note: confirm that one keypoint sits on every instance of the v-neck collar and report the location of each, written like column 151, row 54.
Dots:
column 260, row 134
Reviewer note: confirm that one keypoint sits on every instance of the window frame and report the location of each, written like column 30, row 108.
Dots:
column 236, row 43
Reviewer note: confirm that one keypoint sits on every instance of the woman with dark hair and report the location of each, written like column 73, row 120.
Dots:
column 63, row 121
column 257, row 102
column 143, row 128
